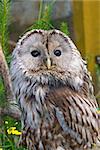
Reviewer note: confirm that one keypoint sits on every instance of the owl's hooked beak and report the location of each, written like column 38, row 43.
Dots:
column 48, row 63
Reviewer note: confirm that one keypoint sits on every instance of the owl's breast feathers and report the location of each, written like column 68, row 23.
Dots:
column 68, row 119
column 76, row 115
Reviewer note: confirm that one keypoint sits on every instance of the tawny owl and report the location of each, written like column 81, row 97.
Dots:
column 55, row 94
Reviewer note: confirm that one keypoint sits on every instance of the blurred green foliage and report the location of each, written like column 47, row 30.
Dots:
column 4, row 36
column 44, row 20
column 3, row 101
column 64, row 28
column 44, row 17
column 4, row 18
column 97, row 68
column 2, row 92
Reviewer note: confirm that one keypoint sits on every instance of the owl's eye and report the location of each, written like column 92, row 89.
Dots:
column 35, row 53
column 57, row 52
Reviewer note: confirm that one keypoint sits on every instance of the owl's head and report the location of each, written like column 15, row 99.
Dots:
column 48, row 57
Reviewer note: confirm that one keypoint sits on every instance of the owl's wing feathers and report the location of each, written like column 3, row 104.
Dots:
column 66, row 128
column 76, row 115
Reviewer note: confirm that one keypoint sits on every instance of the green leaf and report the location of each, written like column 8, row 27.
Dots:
column 64, row 28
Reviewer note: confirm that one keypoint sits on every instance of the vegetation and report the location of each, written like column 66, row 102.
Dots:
column 97, row 68
column 4, row 16
column 44, row 20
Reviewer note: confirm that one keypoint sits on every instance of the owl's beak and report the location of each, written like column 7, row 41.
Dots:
column 48, row 63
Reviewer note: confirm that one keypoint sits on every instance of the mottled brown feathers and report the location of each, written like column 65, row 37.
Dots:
column 54, row 91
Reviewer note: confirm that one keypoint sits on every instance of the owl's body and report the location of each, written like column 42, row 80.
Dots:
column 54, row 92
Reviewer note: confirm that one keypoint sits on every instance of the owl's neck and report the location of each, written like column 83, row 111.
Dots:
column 40, row 93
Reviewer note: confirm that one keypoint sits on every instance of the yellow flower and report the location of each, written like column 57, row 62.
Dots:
column 16, row 132
column 1, row 149
column 12, row 130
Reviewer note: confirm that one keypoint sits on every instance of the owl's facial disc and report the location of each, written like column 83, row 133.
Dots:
column 48, row 57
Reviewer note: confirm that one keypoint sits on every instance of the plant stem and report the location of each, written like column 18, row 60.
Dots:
column 4, row 6
column 40, row 10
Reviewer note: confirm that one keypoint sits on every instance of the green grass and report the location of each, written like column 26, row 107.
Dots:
column 9, row 141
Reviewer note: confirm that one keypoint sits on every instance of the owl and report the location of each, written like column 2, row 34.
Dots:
column 54, row 91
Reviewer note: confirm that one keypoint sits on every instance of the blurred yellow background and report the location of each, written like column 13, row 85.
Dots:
column 86, row 19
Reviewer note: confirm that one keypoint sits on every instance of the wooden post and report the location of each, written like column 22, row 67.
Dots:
column 86, row 21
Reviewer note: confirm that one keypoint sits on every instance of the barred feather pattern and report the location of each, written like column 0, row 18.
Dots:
column 58, row 106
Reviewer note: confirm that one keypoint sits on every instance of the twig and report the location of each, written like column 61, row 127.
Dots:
column 7, row 111
column 4, row 71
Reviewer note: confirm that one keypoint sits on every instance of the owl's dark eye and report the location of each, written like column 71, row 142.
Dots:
column 57, row 52
column 35, row 53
